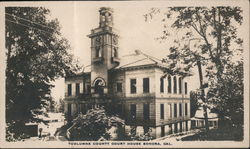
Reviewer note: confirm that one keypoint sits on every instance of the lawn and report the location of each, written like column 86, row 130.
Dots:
column 225, row 134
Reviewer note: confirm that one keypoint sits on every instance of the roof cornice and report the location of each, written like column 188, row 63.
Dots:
column 156, row 65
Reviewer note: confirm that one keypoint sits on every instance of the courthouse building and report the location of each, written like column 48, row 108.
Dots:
column 136, row 86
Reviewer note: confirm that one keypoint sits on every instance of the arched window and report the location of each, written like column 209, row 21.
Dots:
column 99, row 85
column 180, row 85
column 169, row 84
column 162, row 85
column 102, row 16
column 98, row 52
column 186, row 90
column 175, row 85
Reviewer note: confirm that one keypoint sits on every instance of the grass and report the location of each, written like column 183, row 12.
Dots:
column 222, row 134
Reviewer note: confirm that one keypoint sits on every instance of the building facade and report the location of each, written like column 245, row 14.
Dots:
column 135, row 85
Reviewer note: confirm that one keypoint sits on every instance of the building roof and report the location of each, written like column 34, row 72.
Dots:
column 134, row 60
column 138, row 59
column 86, row 71
column 87, row 68
column 199, row 114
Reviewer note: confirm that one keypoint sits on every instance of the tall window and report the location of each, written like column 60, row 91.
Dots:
column 145, row 85
column 169, row 84
column 175, row 127
column 119, row 87
column 77, row 88
column 84, row 108
column 133, row 86
column 170, row 110
column 175, row 85
column 162, row 131
column 162, row 111
column 88, row 88
column 69, row 89
column 180, row 109
column 180, row 127
column 98, row 52
column 69, row 110
column 186, row 125
column 78, row 108
column 180, row 85
column 170, row 129
column 162, row 85
column 186, row 88
column 119, row 109
column 133, row 111
column 146, row 129
column 146, row 111
column 186, row 107
column 175, row 110
column 83, row 87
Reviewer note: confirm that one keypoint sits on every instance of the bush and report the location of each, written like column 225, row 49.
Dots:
column 94, row 125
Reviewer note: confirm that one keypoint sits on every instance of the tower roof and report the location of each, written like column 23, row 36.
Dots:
column 105, row 9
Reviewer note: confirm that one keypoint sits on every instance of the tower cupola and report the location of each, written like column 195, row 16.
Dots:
column 106, row 17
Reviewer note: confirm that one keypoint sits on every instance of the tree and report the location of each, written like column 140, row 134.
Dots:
column 37, row 54
column 61, row 105
column 94, row 125
column 193, row 103
column 214, row 29
column 228, row 95
column 51, row 105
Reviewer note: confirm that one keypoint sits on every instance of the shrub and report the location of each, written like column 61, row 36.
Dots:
column 94, row 125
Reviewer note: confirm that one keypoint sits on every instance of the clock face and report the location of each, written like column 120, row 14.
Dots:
column 115, row 41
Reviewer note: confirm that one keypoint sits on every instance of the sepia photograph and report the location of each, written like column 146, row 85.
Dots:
column 134, row 74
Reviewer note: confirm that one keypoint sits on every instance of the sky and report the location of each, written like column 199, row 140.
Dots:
column 135, row 33
column 78, row 18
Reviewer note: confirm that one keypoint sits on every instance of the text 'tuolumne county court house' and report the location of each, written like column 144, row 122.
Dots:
column 134, row 85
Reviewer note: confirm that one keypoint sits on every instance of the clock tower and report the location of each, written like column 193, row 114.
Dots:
column 104, row 52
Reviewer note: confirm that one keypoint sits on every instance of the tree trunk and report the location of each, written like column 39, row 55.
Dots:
column 202, row 94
